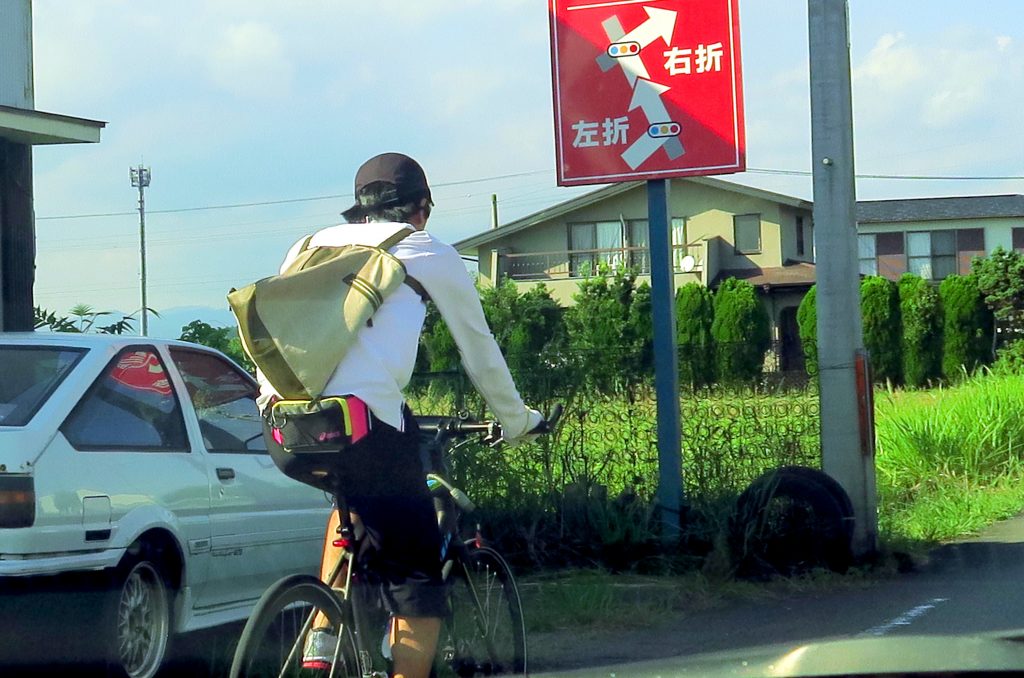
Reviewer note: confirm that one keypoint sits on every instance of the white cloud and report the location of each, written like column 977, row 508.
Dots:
column 249, row 60
column 1003, row 42
column 891, row 65
column 904, row 86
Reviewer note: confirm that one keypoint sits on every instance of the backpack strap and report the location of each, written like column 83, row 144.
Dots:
column 412, row 282
column 417, row 287
column 395, row 238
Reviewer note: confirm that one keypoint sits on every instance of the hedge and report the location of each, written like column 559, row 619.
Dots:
column 880, row 314
column 921, row 311
column 695, row 314
column 740, row 330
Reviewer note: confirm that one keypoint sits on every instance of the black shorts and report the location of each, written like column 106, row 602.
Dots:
column 383, row 480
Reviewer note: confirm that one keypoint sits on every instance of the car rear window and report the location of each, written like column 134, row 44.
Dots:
column 30, row 376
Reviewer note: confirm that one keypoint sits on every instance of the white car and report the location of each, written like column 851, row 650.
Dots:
column 145, row 459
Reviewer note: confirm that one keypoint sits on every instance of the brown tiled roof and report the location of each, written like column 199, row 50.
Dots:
column 790, row 275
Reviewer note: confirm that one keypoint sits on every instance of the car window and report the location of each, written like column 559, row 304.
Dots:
column 224, row 401
column 30, row 375
column 132, row 406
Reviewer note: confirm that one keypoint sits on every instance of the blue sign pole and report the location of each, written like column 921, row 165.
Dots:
column 666, row 369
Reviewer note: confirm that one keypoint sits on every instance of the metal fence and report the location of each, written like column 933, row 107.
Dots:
column 608, row 439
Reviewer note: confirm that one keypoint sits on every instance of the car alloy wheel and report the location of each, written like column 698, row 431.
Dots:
column 143, row 621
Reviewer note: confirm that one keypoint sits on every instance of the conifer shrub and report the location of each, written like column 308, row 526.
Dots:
column 740, row 330
column 880, row 314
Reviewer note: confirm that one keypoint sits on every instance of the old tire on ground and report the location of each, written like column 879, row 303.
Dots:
column 138, row 628
column 788, row 522
column 833, row 486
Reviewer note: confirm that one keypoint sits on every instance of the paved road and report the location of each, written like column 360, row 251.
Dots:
column 966, row 588
column 969, row 587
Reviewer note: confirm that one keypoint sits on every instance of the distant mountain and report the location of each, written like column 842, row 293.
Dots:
column 171, row 320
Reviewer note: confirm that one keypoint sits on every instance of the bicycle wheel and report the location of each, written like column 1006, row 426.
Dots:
column 272, row 641
column 485, row 634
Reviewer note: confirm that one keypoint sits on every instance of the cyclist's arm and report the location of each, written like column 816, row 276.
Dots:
column 452, row 291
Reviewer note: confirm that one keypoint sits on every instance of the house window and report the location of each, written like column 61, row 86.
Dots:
column 639, row 246
column 1018, row 239
column 679, row 242
column 747, row 233
column 970, row 243
column 800, row 236
column 892, row 261
column 866, row 254
column 882, row 254
column 593, row 245
column 932, row 254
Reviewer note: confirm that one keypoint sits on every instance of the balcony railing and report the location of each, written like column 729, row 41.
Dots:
column 581, row 263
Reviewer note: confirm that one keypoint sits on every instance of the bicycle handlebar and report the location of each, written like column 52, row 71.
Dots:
column 456, row 427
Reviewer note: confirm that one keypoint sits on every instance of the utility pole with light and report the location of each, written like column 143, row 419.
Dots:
column 140, row 180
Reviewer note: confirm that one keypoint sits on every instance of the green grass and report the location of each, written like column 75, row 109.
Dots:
column 950, row 461
column 597, row 600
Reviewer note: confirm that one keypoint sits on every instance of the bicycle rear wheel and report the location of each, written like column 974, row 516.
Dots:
column 272, row 641
column 485, row 634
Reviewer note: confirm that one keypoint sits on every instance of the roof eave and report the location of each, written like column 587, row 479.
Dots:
column 545, row 215
column 37, row 128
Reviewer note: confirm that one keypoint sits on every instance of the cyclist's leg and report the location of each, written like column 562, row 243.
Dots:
column 403, row 543
column 413, row 644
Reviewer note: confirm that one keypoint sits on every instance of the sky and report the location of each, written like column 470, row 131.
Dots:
column 236, row 102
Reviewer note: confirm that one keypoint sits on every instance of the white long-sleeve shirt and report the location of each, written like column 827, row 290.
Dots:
column 380, row 363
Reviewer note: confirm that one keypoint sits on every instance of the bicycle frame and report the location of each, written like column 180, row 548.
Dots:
column 454, row 548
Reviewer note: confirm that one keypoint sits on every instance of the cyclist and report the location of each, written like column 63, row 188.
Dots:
column 382, row 475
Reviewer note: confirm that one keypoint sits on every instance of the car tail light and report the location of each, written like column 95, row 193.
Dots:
column 17, row 501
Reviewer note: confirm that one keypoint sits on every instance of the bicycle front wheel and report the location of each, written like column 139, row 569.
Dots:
column 272, row 642
column 485, row 632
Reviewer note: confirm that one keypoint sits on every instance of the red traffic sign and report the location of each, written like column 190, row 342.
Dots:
column 646, row 89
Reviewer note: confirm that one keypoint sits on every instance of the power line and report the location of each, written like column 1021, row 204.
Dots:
column 265, row 203
column 910, row 177
column 464, row 182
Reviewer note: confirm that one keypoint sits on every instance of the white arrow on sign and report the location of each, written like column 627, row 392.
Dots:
column 647, row 96
column 661, row 23
column 643, row 148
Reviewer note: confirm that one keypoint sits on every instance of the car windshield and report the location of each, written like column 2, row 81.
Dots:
column 30, row 375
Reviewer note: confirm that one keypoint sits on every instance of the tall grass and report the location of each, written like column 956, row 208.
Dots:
column 950, row 460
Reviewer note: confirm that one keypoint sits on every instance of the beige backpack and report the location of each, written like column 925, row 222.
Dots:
column 297, row 326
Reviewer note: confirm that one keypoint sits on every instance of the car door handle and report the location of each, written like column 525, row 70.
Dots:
column 225, row 473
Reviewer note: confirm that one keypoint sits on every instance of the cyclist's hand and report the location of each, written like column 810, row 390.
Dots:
column 534, row 428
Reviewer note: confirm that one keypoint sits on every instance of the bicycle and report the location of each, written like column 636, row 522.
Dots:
column 483, row 632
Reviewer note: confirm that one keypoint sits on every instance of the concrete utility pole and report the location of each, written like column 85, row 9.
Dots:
column 847, row 440
column 140, row 180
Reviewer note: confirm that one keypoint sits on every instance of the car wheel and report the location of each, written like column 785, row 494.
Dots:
column 140, row 619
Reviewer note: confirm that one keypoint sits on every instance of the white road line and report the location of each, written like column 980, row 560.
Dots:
column 905, row 619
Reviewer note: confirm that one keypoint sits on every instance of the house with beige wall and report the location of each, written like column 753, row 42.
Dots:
column 719, row 229
column 935, row 237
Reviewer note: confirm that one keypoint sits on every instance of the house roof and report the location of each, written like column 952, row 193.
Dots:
column 610, row 191
column 800, row 274
column 35, row 128
column 938, row 209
